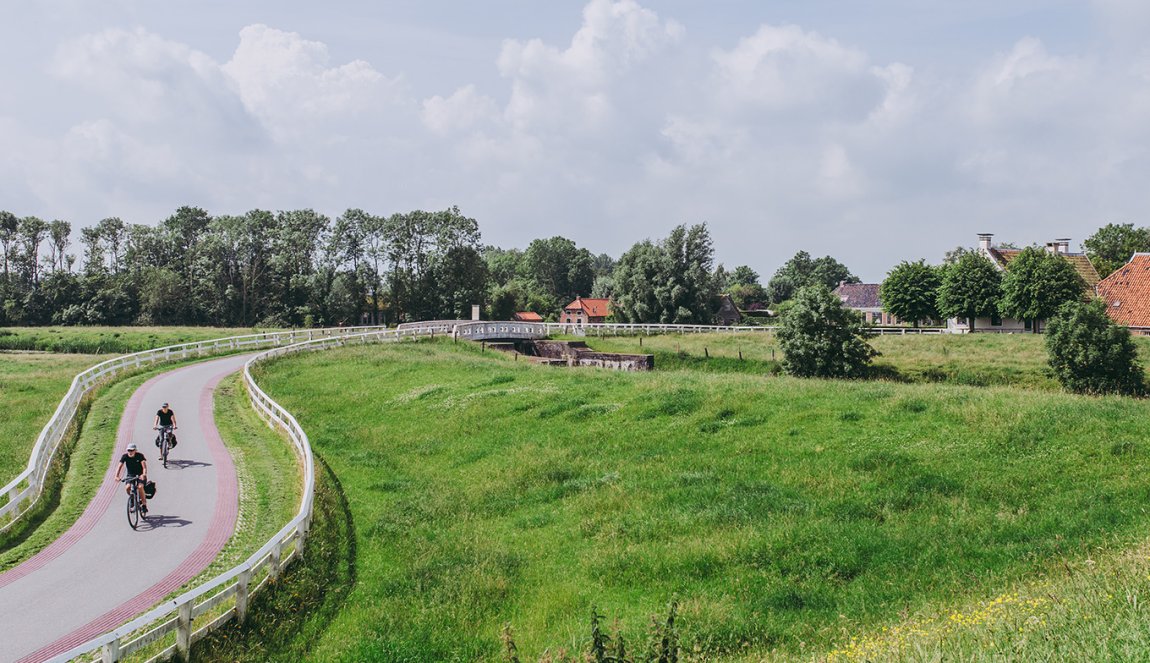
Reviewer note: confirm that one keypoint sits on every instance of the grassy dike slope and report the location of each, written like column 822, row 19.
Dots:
column 784, row 514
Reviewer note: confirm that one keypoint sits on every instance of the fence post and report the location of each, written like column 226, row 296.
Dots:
column 242, row 584
column 274, row 560
column 111, row 652
column 184, row 631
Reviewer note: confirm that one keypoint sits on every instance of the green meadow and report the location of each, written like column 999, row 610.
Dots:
column 108, row 340
column 790, row 519
column 31, row 386
column 981, row 360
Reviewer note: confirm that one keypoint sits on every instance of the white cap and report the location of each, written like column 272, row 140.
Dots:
column 132, row 447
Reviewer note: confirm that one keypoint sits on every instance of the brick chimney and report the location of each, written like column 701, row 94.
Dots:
column 984, row 241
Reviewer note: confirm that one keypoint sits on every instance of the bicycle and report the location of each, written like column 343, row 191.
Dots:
column 164, row 442
column 134, row 506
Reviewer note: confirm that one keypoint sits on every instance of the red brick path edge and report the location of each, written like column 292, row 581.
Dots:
column 219, row 531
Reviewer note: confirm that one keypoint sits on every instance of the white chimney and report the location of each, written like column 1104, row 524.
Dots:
column 1063, row 245
column 984, row 241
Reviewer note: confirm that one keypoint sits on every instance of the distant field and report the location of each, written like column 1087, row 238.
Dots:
column 31, row 386
column 969, row 359
column 787, row 516
column 107, row 340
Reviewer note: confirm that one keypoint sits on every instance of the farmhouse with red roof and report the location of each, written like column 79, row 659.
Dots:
column 583, row 311
column 1127, row 292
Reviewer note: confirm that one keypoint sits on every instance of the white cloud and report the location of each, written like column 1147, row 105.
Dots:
column 151, row 82
column 463, row 110
column 553, row 88
column 288, row 82
column 784, row 69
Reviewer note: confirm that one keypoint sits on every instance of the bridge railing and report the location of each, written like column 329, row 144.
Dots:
column 21, row 493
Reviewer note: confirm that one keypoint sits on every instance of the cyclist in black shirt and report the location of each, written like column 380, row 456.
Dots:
column 165, row 417
column 137, row 466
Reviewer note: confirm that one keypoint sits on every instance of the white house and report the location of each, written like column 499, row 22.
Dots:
column 1001, row 258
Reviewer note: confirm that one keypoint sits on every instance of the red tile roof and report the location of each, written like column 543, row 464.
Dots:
column 1127, row 292
column 528, row 316
column 594, row 308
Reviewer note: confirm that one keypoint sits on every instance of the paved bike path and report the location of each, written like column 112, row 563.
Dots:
column 101, row 573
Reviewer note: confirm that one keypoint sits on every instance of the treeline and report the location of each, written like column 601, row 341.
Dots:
column 302, row 268
column 288, row 268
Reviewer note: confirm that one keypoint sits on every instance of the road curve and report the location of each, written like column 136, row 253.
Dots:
column 101, row 573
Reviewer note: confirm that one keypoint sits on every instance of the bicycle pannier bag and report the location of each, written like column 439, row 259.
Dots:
column 150, row 489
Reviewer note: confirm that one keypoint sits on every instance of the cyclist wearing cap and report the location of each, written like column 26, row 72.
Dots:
column 137, row 466
column 165, row 417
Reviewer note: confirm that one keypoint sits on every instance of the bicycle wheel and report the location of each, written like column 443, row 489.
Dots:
column 164, row 446
column 133, row 511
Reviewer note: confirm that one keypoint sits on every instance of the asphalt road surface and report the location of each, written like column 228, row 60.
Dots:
column 101, row 573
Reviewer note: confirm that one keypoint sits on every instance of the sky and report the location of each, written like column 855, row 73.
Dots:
column 873, row 132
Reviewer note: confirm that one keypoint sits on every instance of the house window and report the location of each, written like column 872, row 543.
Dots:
column 1028, row 325
column 996, row 321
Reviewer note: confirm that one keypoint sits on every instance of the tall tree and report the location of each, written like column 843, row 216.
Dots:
column 910, row 291
column 9, row 226
column 419, row 240
column 113, row 242
column 1037, row 283
column 294, row 238
column 60, row 235
column 641, row 284
column 461, row 281
column 801, row 270
column 558, row 270
column 1112, row 245
column 187, row 229
column 671, row 281
column 33, row 231
column 970, row 288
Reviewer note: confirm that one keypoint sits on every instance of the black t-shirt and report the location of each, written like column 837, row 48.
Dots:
column 133, row 464
column 165, row 417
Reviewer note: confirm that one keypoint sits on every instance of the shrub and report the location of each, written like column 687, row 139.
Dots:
column 822, row 338
column 1090, row 354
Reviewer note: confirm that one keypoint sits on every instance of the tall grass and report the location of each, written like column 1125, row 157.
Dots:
column 784, row 514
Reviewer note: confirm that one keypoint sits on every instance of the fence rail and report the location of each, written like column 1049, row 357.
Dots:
column 485, row 330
